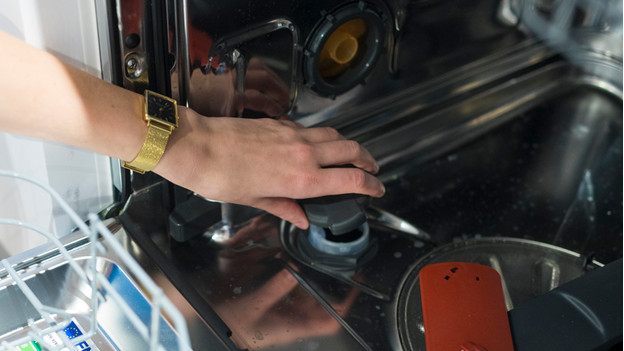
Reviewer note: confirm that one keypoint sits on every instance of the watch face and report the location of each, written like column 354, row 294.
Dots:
column 161, row 108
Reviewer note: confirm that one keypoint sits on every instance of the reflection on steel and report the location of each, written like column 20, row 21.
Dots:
column 131, row 21
column 495, row 263
column 377, row 216
column 472, row 119
column 547, row 276
column 224, row 71
column 358, row 307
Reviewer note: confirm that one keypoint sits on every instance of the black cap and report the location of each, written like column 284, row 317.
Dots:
column 338, row 213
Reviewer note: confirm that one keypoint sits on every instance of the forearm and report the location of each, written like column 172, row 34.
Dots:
column 45, row 98
column 262, row 163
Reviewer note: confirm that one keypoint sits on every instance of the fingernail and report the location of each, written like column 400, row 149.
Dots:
column 302, row 225
column 383, row 189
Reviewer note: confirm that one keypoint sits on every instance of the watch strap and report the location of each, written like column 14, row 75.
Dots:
column 152, row 150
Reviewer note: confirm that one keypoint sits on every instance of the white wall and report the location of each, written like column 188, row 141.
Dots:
column 67, row 29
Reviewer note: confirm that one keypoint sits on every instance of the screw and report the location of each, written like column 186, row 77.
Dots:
column 132, row 63
column 134, row 67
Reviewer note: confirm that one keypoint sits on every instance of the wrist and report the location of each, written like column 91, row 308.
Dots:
column 136, row 131
column 169, row 160
column 190, row 153
column 160, row 115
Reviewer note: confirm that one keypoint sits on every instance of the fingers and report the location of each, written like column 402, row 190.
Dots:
column 332, row 149
column 343, row 152
column 335, row 181
column 284, row 120
column 320, row 134
column 353, row 180
column 285, row 209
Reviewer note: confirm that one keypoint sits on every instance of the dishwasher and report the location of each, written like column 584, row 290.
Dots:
column 498, row 128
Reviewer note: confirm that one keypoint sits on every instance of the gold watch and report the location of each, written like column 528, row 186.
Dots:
column 161, row 115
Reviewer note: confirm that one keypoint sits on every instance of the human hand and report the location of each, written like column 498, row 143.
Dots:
column 260, row 163
column 265, row 163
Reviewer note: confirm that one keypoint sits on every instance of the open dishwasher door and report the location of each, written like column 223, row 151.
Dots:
column 66, row 281
column 497, row 147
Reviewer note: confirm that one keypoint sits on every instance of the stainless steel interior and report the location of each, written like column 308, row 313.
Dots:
column 518, row 145
column 486, row 127
column 486, row 130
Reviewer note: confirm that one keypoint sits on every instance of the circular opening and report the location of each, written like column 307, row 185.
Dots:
column 343, row 49
column 352, row 243
column 344, row 238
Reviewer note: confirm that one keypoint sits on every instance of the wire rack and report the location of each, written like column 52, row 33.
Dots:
column 585, row 31
column 53, row 323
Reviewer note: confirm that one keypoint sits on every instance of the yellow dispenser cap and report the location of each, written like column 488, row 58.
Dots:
column 341, row 48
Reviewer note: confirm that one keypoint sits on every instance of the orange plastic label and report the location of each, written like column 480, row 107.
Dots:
column 464, row 308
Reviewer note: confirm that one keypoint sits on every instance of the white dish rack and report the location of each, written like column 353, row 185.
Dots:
column 57, row 329
column 586, row 32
